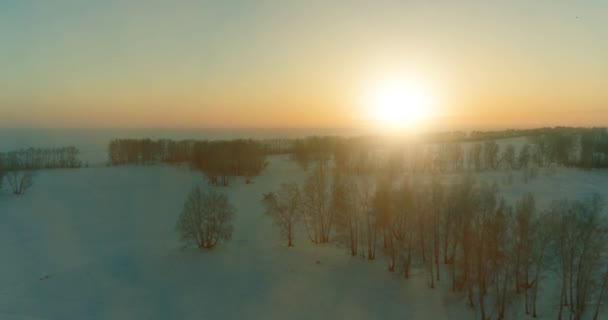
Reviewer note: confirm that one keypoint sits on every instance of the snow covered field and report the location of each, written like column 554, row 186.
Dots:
column 100, row 243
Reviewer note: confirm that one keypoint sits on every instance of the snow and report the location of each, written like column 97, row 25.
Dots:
column 100, row 243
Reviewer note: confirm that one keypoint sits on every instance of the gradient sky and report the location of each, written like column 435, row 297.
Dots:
column 299, row 63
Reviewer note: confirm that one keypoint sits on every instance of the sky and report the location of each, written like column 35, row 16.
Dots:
column 299, row 64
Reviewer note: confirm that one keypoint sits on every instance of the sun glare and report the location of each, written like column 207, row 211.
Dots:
column 400, row 104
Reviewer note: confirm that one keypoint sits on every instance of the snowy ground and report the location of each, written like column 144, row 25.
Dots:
column 100, row 243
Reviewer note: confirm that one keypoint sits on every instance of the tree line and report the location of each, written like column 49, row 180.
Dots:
column 573, row 147
column 16, row 167
column 218, row 160
column 491, row 251
column 40, row 158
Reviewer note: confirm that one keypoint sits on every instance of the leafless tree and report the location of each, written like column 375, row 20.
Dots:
column 403, row 224
column 507, row 157
column 582, row 232
column 532, row 239
column 2, row 173
column 542, row 240
column 436, row 210
column 284, row 207
column 347, row 212
column 20, row 181
column 490, row 154
column 474, row 157
column 525, row 209
column 601, row 295
column 206, row 219
column 316, row 205
column 379, row 218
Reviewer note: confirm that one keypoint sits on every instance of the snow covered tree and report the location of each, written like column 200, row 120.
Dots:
column 284, row 208
column 205, row 219
column 20, row 181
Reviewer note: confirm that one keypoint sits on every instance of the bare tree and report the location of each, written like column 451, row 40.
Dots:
column 347, row 210
column 582, row 232
column 316, row 206
column 507, row 157
column 379, row 218
column 284, row 208
column 490, row 154
column 542, row 239
column 20, row 181
column 1, row 176
column 205, row 219
column 403, row 224
column 601, row 297
column 474, row 157
column 525, row 210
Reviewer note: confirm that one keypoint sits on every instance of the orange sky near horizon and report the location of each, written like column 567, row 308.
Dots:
column 300, row 64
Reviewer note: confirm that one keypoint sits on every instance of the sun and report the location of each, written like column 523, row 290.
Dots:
column 400, row 104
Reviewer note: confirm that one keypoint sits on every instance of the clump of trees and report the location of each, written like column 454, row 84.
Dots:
column 313, row 150
column 284, row 207
column 348, row 211
column 317, row 212
column 145, row 151
column 218, row 160
column 581, row 235
column 491, row 251
column 206, row 219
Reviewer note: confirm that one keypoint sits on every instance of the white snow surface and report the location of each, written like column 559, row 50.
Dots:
column 100, row 243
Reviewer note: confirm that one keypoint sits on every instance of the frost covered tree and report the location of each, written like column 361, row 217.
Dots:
column 284, row 208
column 205, row 219
column 20, row 181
